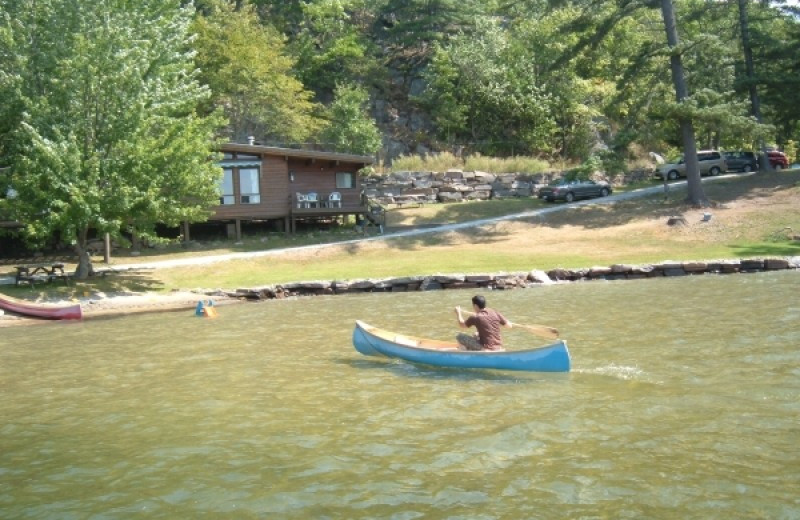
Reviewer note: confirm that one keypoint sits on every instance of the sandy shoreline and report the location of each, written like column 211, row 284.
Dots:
column 111, row 305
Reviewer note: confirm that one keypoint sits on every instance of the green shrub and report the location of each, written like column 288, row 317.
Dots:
column 790, row 149
column 612, row 163
column 585, row 169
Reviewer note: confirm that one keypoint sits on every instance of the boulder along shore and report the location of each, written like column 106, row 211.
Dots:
column 121, row 304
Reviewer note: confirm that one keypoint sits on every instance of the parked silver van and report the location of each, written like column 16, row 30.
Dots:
column 711, row 162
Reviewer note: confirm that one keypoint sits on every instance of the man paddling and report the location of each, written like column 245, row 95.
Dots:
column 487, row 322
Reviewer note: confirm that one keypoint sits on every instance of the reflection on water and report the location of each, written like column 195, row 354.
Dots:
column 682, row 403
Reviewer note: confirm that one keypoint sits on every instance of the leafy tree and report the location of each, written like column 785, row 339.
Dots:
column 332, row 45
column 775, row 45
column 481, row 92
column 103, row 132
column 285, row 15
column 577, row 94
column 416, row 24
column 251, row 76
column 349, row 127
column 444, row 97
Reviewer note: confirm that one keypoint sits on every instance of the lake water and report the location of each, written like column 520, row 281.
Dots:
column 683, row 402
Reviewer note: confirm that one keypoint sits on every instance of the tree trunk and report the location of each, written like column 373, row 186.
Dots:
column 755, row 102
column 696, row 194
column 136, row 243
column 84, row 268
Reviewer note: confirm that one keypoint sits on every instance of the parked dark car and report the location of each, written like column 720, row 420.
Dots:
column 741, row 161
column 572, row 190
column 778, row 160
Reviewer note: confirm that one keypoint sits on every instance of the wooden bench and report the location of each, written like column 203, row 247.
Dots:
column 409, row 204
column 402, row 201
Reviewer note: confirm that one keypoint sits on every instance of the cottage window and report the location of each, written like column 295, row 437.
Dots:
column 345, row 180
column 226, row 188
column 249, row 186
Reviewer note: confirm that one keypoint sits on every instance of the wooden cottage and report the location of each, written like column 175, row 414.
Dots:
column 282, row 186
column 263, row 183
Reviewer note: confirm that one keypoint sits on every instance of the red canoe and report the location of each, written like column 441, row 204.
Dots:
column 69, row 311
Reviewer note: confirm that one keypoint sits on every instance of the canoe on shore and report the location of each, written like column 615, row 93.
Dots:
column 50, row 311
column 372, row 341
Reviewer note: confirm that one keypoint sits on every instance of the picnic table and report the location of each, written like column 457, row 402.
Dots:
column 47, row 272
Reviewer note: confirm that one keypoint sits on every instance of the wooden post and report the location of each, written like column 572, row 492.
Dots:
column 238, row 230
column 106, row 248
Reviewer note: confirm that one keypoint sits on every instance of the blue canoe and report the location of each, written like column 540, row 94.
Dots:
column 372, row 341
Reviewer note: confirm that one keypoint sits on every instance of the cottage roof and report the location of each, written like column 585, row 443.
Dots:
column 293, row 152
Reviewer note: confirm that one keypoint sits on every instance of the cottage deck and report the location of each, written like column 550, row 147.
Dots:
column 326, row 212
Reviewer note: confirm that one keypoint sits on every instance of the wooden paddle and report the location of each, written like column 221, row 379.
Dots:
column 539, row 330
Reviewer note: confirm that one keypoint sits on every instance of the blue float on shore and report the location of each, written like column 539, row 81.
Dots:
column 205, row 309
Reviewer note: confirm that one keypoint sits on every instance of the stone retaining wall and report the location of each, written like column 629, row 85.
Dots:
column 457, row 185
column 504, row 281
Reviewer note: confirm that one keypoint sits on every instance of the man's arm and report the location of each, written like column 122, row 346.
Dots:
column 460, row 317
column 506, row 323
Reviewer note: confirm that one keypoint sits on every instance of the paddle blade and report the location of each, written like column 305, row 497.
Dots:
column 540, row 330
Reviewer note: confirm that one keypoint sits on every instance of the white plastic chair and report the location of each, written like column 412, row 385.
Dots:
column 335, row 200
column 311, row 200
column 302, row 200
